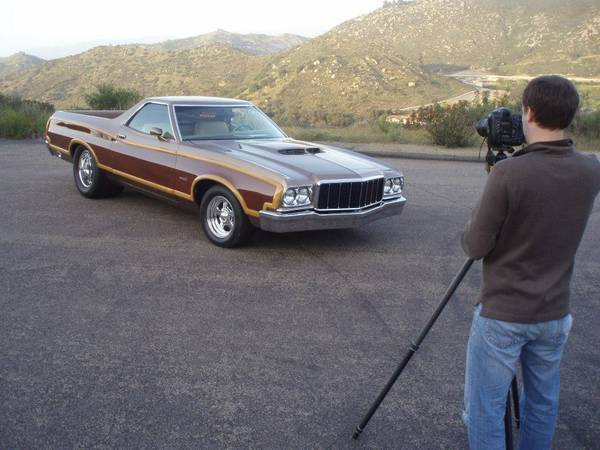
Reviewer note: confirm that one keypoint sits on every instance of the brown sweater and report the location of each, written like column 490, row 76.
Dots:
column 527, row 227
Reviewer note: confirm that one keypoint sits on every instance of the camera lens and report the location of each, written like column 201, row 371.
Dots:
column 482, row 127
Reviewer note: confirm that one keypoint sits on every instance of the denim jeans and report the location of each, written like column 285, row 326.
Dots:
column 494, row 350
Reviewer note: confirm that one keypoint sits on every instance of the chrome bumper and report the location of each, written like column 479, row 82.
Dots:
column 278, row 222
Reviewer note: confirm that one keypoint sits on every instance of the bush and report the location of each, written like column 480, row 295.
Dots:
column 454, row 125
column 339, row 119
column 394, row 132
column 587, row 124
column 14, row 124
column 23, row 118
column 451, row 126
column 110, row 97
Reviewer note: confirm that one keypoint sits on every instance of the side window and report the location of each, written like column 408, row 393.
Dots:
column 152, row 116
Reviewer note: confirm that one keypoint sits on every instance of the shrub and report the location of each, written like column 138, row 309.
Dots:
column 587, row 124
column 14, row 124
column 394, row 132
column 23, row 118
column 110, row 97
column 451, row 126
column 339, row 119
column 454, row 125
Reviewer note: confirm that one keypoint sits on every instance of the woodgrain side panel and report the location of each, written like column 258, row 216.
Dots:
column 59, row 140
column 164, row 169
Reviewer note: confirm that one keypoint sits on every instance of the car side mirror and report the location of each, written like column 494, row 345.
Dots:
column 155, row 131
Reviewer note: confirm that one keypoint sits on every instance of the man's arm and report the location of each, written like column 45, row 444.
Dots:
column 481, row 232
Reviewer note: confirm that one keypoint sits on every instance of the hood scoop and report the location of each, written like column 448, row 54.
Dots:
column 300, row 151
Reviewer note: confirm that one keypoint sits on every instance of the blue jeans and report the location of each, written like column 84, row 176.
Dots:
column 495, row 347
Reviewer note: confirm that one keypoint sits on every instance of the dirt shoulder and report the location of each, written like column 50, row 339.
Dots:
column 414, row 151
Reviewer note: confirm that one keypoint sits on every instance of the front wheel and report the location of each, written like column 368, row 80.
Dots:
column 90, row 181
column 223, row 219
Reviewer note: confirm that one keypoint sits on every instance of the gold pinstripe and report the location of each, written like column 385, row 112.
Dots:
column 190, row 197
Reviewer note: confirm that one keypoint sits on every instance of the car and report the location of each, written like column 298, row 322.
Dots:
column 230, row 160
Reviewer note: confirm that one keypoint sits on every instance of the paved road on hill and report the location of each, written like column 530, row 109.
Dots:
column 467, row 96
column 121, row 326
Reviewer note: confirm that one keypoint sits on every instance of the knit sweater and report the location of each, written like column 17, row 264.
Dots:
column 527, row 228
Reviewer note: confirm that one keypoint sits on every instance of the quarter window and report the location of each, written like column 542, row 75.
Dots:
column 151, row 116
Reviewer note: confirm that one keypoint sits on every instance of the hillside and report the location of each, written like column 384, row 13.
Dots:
column 17, row 63
column 214, row 69
column 524, row 36
column 392, row 57
column 395, row 57
column 254, row 44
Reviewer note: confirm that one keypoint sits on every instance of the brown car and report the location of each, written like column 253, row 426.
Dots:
column 228, row 158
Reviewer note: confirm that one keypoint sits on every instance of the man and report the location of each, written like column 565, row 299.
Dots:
column 527, row 227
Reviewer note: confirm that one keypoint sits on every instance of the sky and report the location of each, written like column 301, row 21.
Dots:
column 47, row 28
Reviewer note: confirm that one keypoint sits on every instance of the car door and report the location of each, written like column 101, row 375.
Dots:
column 145, row 158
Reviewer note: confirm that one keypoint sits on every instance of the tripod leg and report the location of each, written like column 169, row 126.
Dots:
column 514, row 388
column 414, row 347
column 508, row 432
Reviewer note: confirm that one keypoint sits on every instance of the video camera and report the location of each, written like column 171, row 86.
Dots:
column 503, row 130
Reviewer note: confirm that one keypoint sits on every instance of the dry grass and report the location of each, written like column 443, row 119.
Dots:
column 359, row 134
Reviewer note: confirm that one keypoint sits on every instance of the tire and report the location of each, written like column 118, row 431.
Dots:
column 91, row 182
column 229, row 228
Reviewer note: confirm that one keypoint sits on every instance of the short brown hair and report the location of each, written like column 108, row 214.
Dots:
column 553, row 99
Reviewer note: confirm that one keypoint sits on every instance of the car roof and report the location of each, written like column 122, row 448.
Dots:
column 198, row 100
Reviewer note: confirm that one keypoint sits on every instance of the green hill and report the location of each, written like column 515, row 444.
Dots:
column 208, row 70
column 510, row 36
column 18, row 62
column 392, row 58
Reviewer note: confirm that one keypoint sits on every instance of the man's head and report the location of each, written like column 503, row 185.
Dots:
column 549, row 106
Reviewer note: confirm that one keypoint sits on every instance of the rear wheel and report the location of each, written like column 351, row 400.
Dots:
column 223, row 219
column 90, row 181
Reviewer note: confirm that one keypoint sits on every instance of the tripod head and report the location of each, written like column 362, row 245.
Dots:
column 500, row 154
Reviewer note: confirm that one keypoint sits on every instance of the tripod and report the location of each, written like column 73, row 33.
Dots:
column 414, row 346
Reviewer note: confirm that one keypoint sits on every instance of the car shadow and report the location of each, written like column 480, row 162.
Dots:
column 376, row 235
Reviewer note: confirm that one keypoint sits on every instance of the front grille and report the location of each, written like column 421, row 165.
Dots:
column 350, row 195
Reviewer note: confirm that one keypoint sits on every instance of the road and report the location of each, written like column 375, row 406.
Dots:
column 470, row 77
column 476, row 80
column 121, row 326
column 467, row 96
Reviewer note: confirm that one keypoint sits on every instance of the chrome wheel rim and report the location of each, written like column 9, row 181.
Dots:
column 220, row 217
column 86, row 170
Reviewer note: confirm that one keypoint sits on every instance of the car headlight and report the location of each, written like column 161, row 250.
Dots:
column 297, row 196
column 393, row 186
column 289, row 197
column 387, row 186
column 303, row 196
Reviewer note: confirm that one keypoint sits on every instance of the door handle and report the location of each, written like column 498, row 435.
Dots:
column 121, row 136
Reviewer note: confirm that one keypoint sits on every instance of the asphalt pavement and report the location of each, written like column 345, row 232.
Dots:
column 122, row 326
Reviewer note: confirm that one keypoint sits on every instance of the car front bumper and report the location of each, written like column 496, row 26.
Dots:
column 279, row 222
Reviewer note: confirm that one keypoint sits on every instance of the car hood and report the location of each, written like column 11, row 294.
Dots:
column 299, row 161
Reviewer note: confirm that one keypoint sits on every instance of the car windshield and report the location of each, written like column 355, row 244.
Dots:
column 224, row 122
